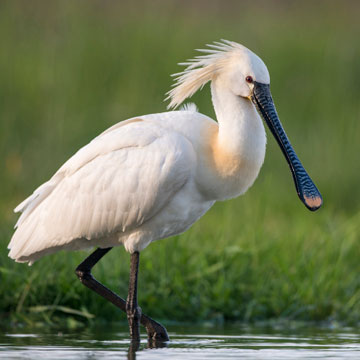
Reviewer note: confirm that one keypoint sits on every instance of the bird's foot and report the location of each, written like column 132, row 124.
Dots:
column 155, row 331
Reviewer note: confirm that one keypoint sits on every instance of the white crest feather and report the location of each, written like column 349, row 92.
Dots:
column 200, row 70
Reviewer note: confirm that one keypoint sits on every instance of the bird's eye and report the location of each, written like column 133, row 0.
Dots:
column 249, row 79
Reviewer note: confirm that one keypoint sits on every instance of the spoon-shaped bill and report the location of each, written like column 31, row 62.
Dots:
column 306, row 189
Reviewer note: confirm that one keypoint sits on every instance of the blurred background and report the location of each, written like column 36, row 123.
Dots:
column 70, row 69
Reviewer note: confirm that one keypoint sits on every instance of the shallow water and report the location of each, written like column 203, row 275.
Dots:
column 192, row 343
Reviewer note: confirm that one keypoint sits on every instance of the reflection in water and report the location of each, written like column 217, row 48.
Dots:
column 152, row 344
column 200, row 343
column 133, row 348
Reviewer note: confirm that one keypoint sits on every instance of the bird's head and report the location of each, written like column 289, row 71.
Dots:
column 237, row 69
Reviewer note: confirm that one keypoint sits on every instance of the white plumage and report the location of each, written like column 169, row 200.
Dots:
column 153, row 176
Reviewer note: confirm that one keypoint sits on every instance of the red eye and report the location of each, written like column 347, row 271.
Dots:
column 249, row 79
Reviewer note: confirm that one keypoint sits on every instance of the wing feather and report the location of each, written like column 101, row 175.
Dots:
column 114, row 184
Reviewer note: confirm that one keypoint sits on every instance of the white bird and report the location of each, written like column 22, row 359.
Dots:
column 153, row 176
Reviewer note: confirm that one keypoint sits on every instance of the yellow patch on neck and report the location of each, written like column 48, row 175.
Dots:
column 225, row 162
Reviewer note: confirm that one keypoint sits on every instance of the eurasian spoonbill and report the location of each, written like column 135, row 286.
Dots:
column 153, row 176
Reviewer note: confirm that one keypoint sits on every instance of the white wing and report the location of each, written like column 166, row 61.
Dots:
column 115, row 183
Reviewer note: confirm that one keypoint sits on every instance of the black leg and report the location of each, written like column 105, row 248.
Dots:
column 154, row 330
column 133, row 311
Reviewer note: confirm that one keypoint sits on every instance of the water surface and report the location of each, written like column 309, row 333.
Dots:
column 190, row 342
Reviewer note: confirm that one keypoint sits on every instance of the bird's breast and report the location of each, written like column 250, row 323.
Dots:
column 229, row 169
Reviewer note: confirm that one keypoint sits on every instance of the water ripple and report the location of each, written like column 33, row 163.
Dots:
column 315, row 344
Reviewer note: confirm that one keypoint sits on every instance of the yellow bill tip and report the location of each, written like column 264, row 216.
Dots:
column 313, row 202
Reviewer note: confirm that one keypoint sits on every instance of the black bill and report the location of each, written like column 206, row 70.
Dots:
column 306, row 189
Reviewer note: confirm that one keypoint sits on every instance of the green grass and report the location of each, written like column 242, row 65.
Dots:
column 68, row 70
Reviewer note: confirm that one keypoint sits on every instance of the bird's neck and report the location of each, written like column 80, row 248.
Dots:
column 238, row 145
column 239, row 123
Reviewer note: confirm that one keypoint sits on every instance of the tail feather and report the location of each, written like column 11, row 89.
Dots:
column 22, row 238
column 39, row 195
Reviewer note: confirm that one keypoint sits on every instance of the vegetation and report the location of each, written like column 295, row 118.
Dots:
column 68, row 70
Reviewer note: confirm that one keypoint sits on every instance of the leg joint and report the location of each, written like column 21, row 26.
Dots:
column 83, row 274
